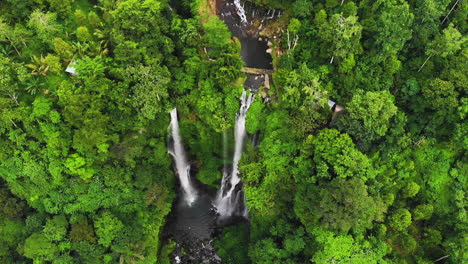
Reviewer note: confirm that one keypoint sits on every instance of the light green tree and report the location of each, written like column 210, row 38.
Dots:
column 39, row 248
column 107, row 228
column 45, row 25
column 400, row 219
column 367, row 116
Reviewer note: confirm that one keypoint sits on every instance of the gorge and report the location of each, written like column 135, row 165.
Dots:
column 199, row 213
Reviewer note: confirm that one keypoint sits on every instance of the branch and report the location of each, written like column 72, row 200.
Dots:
column 425, row 62
column 14, row 97
column 453, row 7
column 441, row 258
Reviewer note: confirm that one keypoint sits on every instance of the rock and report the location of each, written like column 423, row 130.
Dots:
column 260, row 39
column 269, row 44
column 269, row 50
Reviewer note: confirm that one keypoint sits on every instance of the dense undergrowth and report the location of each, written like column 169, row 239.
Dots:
column 84, row 172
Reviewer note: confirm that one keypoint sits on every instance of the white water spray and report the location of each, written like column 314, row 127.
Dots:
column 182, row 166
column 240, row 11
column 228, row 200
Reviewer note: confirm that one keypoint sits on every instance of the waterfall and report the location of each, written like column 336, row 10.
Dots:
column 182, row 166
column 229, row 199
column 240, row 11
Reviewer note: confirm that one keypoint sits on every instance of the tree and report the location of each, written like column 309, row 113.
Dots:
column 438, row 107
column 82, row 231
column 216, row 34
column 45, row 26
column 62, row 7
column 334, row 248
column 107, row 228
column 7, row 79
column 400, row 219
column 389, row 23
column 39, row 248
column 254, row 119
column 302, row 8
column 340, row 205
column 150, row 86
column 410, row 190
column 335, row 155
column 63, row 49
column 446, row 44
column 56, row 228
column 367, row 117
column 423, row 212
column 16, row 36
column 90, row 68
column 427, row 15
column 232, row 246
column 82, row 34
column 340, row 36
column 12, row 207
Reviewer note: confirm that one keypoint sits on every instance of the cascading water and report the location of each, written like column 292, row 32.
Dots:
column 240, row 11
column 196, row 216
column 231, row 201
column 177, row 151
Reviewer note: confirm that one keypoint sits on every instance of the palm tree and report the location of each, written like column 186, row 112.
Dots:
column 38, row 65
column 34, row 85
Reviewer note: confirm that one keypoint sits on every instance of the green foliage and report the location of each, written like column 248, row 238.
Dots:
column 400, row 219
column 38, row 248
column 423, row 212
column 410, row 190
column 343, row 248
column 233, row 246
column 340, row 36
column 45, row 26
column 255, row 117
column 56, row 228
column 391, row 23
column 367, row 117
column 446, row 44
column 82, row 33
column 82, row 231
column 107, row 228
column 150, row 88
column 216, row 35
column 339, row 205
column 85, row 174
column 336, row 156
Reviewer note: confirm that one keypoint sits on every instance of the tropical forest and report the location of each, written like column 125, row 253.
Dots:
column 233, row 132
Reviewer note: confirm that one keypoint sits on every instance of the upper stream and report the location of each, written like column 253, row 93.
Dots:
column 245, row 22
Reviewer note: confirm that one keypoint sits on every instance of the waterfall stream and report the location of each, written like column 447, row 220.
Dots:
column 240, row 11
column 201, row 210
column 230, row 200
column 177, row 151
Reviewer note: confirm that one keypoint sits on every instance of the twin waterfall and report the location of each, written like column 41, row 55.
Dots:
column 230, row 200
